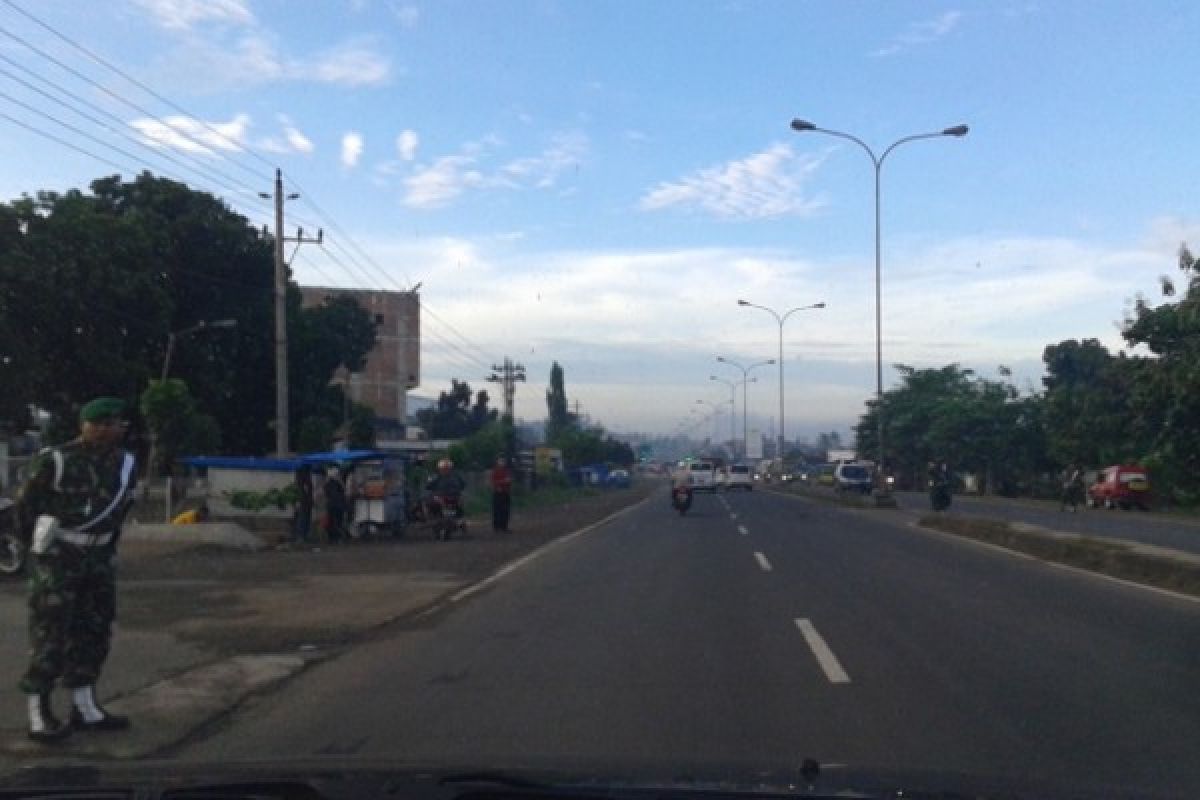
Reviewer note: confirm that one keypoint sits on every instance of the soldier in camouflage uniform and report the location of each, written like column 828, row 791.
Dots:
column 70, row 511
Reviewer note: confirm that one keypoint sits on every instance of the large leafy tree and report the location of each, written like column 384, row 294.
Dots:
column 91, row 286
column 1088, row 404
column 1165, row 397
column 949, row 413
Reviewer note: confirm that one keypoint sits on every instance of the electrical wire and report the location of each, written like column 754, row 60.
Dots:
column 205, row 146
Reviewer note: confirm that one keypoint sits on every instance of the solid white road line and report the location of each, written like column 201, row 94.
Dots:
column 742, row 530
column 762, row 562
column 825, row 657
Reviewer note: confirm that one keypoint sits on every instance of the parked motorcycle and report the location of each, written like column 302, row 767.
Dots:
column 681, row 499
column 12, row 551
column 447, row 515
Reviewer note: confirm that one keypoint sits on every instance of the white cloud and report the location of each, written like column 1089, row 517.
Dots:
column 352, row 147
column 406, row 144
column 352, row 63
column 405, row 13
column 921, row 33
column 194, row 136
column 253, row 59
column 291, row 140
column 544, row 169
column 624, row 320
column 440, row 183
column 182, row 15
column 437, row 185
column 760, row 186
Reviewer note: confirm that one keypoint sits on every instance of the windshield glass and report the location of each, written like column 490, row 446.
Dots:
column 672, row 388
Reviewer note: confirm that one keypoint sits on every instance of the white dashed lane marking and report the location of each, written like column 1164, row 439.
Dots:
column 825, row 657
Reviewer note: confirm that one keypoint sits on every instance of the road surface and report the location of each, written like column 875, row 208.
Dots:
column 1163, row 530
column 758, row 630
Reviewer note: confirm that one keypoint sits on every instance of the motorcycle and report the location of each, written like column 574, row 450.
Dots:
column 681, row 499
column 447, row 516
column 12, row 550
column 939, row 495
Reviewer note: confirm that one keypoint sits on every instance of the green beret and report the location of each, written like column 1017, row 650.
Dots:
column 102, row 408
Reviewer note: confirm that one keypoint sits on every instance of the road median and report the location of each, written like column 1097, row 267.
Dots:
column 1151, row 566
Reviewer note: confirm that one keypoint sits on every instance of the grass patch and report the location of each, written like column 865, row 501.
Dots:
column 1108, row 558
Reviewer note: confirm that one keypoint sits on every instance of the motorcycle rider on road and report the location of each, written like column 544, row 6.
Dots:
column 447, row 484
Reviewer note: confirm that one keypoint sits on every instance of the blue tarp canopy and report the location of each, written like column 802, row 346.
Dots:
column 289, row 464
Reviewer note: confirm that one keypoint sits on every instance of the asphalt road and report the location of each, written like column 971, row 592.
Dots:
column 1163, row 530
column 759, row 630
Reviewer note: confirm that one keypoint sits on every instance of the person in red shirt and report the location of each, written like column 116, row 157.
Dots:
column 501, row 481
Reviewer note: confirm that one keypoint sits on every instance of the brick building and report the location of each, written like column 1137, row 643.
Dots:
column 394, row 366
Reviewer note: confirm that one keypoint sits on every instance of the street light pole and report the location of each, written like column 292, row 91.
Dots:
column 781, row 319
column 804, row 126
column 745, row 381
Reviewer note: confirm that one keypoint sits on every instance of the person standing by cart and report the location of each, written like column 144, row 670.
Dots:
column 335, row 505
column 501, row 481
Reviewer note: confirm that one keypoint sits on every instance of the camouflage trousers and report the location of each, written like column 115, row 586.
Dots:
column 72, row 603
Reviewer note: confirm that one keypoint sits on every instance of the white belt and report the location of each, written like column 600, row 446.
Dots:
column 84, row 539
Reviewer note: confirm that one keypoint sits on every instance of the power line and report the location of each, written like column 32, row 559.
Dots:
column 65, row 143
column 103, row 62
column 199, row 167
column 166, row 101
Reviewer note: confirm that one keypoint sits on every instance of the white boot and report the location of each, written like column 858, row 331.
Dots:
column 88, row 715
column 43, row 725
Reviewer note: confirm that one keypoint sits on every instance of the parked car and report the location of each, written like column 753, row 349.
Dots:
column 702, row 476
column 1122, row 486
column 849, row 476
column 618, row 479
column 738, row 477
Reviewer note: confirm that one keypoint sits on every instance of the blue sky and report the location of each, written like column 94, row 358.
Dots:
column 598, row 182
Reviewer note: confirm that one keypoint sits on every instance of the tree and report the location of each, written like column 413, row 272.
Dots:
column 1088, row 411
column 178, row 427
column 949, row 413
column 315, row 435
column 454, row 417
column 361, row 430
column 1165, row 396
column 337, row 333
column 558, row 419
column 91, row 285
column 479, row 450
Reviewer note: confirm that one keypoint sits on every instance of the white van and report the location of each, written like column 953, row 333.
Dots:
column 702, row 476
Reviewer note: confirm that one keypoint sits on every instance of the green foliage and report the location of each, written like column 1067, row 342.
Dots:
column 558, row 419
column 479, row 450
column 280, row 499
column 179, row 428
column 455, row 416
column 949, row 413
column 316, row 435
column 92, row 284
column 361, row 434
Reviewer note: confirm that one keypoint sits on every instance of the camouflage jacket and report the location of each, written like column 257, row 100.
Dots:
column 87, row 484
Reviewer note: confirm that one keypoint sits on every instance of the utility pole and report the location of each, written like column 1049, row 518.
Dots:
column 281, row 343
column 507, row 375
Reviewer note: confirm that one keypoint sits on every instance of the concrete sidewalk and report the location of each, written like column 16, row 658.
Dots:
column 206, row 620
